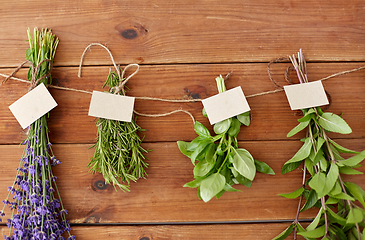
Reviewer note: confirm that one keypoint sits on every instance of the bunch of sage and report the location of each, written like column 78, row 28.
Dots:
column 338, row 216
column 118, row 151
column 36, row 212
column 220, row 161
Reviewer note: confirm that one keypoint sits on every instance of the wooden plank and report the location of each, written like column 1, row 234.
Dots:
column 188, row 32
column 183, row 232
column 161, row 197
column 272, row 118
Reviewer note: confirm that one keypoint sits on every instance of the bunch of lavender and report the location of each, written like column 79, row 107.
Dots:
column 338, row 217
column 36, row 212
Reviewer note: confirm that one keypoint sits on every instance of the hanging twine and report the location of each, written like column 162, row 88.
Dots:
column 122, row 83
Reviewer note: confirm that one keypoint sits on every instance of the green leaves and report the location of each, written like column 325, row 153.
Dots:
column 284, row 234
column 222, row 126
column 353, row 161
column 302, row 153
column 298, row 128
column 355, row 216
column 334, row 123
column 316, row 233
column 243, row 162
column 244, row 118
column 211, row 186
column 263, row 167
column 201, row 130
column 294, row 194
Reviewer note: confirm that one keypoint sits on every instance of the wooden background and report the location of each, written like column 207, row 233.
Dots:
column 182, row 46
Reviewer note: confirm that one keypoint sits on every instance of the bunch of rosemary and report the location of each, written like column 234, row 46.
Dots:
column 338, row 216
column 221, row 163
column 118, row 151
column 36, row 212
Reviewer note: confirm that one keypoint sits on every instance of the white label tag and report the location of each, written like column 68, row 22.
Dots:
column 111, row 106
column 225, row 105
column 32, row 105
column 306, row 95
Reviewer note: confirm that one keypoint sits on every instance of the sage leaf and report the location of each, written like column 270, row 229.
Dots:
column 201, row 130
column 298, row 128
column 315, row 221
column 288, row 167
column 193, row 184
column 284, row 234
column 340, row 148
column 183, row 146
column 211, row 186
column 244, row 164
column 334, row 123
column 311, row 200
column 302, row 153
column 244, row 118
column 354, row 216
column 293, row 194
column 316, row 233
column 356, row 191
column 353, row 161
column 263, row 167
column 222, row 126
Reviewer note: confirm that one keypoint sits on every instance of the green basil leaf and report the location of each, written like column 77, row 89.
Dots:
column 243, row 162
column 284, row 234
column 356, row 191
column 302, row 153
column 204, row 113
column 315, row 221
column 200, row 148
column 288, row 167
column 334, row 123
column 263, row 167
column 201, row 130
column 193, row 184
column 222, row 126
column 211, row 186
column 183, row 148
column 354, row 216
column 349, row 171
column 316, row 233
column 293, row 194
column 202, row 168
column 244, row 118
column 220, row 194
column 234, row 128
column 311, row 200
column 210, row 156
column 340, row 148
column 352, row 161
column 298, row 128
column 194, row 144
column 229, row 188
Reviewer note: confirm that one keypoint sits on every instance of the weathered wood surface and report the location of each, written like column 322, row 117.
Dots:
column 182, row 47
column 189, row 31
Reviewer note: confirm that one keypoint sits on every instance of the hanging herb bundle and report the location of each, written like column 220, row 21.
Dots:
column 221, row 163
column 338, row 216
column 118, row 151
column 36, row 212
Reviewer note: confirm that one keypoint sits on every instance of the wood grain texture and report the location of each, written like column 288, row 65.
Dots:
column 272, row 118
column 182, row 232
column 188, row 32
column 161, row 197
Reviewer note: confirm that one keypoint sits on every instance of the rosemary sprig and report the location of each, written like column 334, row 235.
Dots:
column 118, row 151
column 325, row 188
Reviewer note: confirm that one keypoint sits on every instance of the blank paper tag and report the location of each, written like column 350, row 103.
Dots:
column 32, row 105
column 225, row 105
column 306, row 95
column 111, row 106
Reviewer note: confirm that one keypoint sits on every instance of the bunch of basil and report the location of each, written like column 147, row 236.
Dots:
column 220, row 161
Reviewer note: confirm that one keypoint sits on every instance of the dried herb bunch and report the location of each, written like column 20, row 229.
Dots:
column 338, row 216
column 118, row 151
column 221, row 163
column 36, row 211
